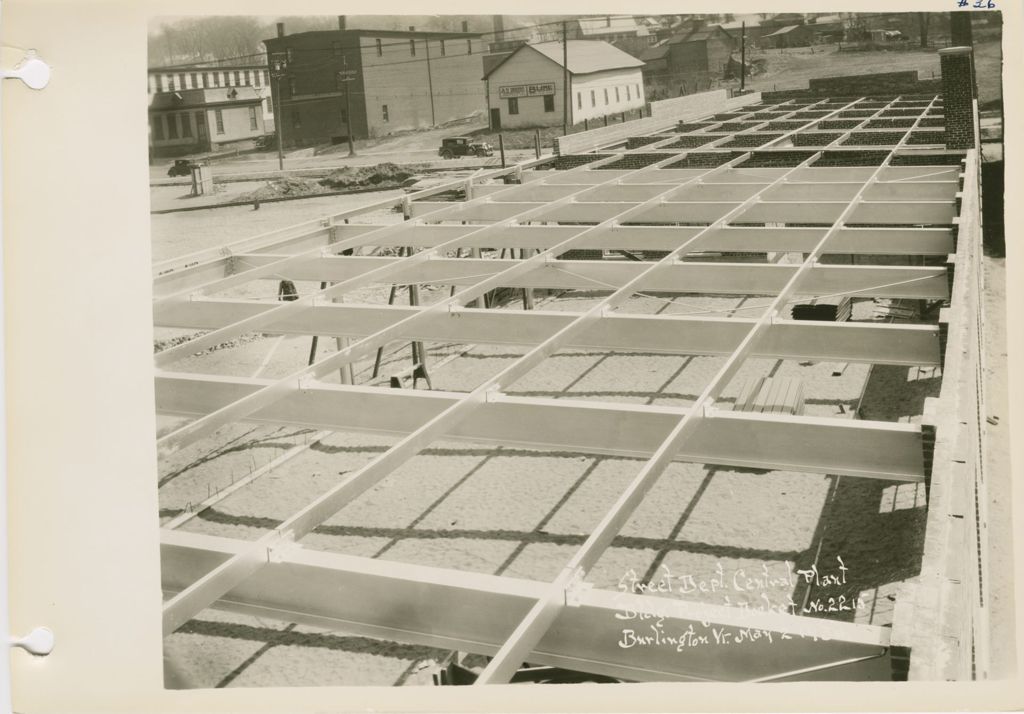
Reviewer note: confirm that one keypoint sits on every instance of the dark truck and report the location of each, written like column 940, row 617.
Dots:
column 463, row 146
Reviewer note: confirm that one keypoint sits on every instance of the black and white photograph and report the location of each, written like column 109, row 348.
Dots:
column 574, row 349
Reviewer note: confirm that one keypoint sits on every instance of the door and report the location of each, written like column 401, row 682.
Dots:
column 495, row 119
column 201, row 129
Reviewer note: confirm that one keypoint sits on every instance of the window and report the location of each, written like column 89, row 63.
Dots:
column 238, row 78
column 201, row 125
column 218, row 115
column 181, row 81
column 606, row 96
column 579, row 100
column 186, row 127
column 158, row 128
column 256, row 78
column 172, row 126
column 627, row 93
column 296, row 119
column 288, row 56
column 170, row 83
column 616, row 95
column 638, row 95
column 549, row 102
column 412, row 47
column 384, row 112
column 159, row 83
column 247, row 78
column 336, row 49
column 469, row 47
column 269, row 107
column 253, row 124
column 194, row 78
column 291, row 87
column 344, row 116
column 593, row 98
column 266, row 77
column 226, row 78
column 442, row 48
column 380, row 49
column 206, row 79
column 216, row 79
column 513, row 105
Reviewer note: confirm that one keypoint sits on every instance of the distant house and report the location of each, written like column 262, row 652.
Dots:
column 788, row 36
column 527, row 88
column 826, row 28
column 193, row 121
column 738, row 29
column 703, row 52
column 608, row 29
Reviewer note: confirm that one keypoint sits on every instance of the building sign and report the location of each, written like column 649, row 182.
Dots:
column 526, row 90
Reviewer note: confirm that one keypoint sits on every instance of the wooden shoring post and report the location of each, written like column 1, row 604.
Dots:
column 313, row 341
column 548, row 607
column 527, row 292
column 392, row 293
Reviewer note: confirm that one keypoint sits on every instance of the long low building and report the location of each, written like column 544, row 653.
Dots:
column 196, row 120
column 527, row 89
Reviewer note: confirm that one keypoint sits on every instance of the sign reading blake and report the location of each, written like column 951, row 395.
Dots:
column 526, row 90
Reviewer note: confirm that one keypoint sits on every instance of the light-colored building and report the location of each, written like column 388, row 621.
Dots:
column 192, row 121
column 213, row 75
column 527, row 88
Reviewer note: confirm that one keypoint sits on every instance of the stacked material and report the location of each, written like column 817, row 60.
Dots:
column 771, row 395
column 836, row 309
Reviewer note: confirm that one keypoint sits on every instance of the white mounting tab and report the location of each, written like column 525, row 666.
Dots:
column 31, row 70
column 576, row 588
column 707, row 407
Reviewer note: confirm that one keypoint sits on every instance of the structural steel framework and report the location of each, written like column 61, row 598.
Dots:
column 812, row 177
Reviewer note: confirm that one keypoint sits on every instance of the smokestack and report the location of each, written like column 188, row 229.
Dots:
column 465, row 25
column 280, row 29
column 958, row 96
column 499, row 28
column 341, row 22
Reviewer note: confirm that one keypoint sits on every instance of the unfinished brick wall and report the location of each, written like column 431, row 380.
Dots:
column 958, row 96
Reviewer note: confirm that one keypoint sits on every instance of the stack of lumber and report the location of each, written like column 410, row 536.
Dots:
column 894, row 310
column 771, row 395
column 838, row 309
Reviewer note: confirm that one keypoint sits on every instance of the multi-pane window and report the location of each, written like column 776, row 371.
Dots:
column 549, row 102
column 201, row 124
column 216, row 79
column 227, row 79
column 238, row 78
column 181, row 81
column 158, row 127
column 172, row 126
column 513, row 105
column 186, row 127
column 256, row 76
column 253, row 124
column 159, row 83
column 384, row 112
column 170, row 83
column 218, row 116
column 206, row 79
column 194, row 78
column 266, row 77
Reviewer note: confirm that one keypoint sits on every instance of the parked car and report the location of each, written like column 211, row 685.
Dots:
column 181, row 167
column 463, row 146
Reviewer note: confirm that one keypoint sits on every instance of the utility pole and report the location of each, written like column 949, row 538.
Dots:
column 743, row 55
column 430, row 82
column 278, row 68
column 346, row 76
column 565, row 77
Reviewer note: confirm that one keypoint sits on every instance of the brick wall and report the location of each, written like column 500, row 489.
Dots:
column 883, row 83
column 958, row 96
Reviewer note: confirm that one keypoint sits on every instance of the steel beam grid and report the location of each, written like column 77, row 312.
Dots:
column 544, row 604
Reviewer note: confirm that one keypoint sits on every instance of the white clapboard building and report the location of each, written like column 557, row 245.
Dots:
column 526, row 88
